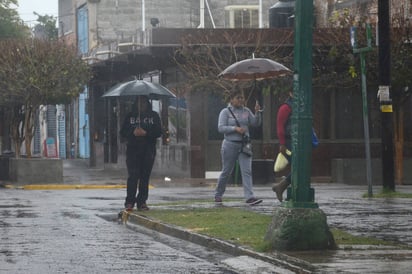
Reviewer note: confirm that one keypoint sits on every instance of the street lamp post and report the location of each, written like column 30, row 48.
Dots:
column 299, row 224
column 300, row 194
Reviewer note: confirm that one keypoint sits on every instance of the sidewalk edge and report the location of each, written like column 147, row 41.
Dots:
column 276, row 258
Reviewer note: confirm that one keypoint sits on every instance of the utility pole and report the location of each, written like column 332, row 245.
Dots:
column 388, row 178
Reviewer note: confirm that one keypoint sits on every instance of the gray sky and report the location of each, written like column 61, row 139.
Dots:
column 42, row 7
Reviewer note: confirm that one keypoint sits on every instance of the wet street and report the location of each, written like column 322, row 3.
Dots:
column 76, row 231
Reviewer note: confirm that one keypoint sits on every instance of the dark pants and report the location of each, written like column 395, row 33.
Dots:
column 289, row 147
column 139, row 161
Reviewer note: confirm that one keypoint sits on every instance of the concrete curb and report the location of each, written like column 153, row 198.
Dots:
column 275, row 258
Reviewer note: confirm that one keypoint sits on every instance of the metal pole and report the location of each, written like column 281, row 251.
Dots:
column 210, row 14
column 301, row 195
column 202, row 14
column 366, row 126
column 362, row 52
column 237, row 173
column 143, row 15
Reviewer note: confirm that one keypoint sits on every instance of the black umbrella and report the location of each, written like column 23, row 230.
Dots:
column 139, row 87
column 254, row 69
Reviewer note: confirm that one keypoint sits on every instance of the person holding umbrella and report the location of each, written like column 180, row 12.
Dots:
column 234, row 122
column 141, row 128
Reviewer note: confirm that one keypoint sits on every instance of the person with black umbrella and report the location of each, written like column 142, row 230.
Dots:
column 141, row 128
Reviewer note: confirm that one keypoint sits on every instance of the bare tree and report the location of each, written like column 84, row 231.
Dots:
column 202, row 57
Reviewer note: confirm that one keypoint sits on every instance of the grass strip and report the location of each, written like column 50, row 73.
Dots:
column 238, row 226
column 230, row 224
column 344, row 238
column 389, row 194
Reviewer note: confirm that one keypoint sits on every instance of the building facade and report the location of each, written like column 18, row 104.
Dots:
column 126, row 39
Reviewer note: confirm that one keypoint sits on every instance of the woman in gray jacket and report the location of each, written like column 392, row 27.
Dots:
column 234, row 122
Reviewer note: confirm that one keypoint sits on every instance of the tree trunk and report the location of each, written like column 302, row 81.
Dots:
column 399, row 142
column 17, row 146
column 16, row 129
column 28, row 129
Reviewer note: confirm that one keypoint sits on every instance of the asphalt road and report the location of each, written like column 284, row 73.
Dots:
column 76, row 231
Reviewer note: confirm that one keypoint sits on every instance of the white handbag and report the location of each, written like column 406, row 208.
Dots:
column 281, row 161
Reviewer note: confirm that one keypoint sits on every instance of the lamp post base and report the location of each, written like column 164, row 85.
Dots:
column 299, row 229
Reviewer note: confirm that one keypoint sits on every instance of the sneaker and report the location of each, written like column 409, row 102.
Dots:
column 254, row 201
column 143, row 207
column 218, row 200
column 129, row 207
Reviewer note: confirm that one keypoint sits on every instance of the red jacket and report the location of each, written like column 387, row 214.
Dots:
column 284, row 112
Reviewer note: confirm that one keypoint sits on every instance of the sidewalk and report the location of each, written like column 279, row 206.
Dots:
column 389, row 219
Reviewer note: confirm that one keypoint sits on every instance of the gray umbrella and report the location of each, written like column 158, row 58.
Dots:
column 254, row 69
column 139, row 87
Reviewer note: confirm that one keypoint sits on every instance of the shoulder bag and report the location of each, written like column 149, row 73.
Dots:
column 246, row 144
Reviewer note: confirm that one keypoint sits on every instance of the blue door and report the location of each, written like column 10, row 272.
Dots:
column 84, row 134
column 83, row 46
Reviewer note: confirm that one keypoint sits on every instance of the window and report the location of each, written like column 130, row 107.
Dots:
column 242, row 16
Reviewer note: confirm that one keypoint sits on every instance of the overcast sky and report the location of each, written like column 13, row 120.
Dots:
column 42, row 7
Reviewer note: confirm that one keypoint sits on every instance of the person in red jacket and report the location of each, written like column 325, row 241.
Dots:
column 283, row 122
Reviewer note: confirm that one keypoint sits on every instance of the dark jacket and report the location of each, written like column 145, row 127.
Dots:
column 149, row 121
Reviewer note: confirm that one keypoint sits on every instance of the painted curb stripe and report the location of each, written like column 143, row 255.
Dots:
column 67, row 187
